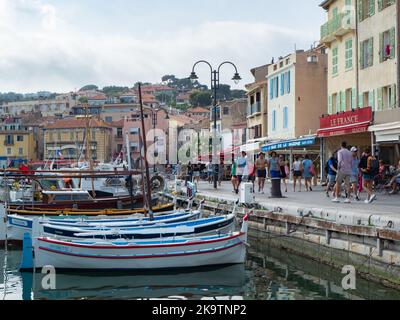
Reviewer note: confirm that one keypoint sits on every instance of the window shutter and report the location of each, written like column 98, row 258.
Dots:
column 371, row 99
column 380, row 5
column 394, row 93
column 371, row 52
column 288, row 82
column 393, row 43
column 381, row 48
column 277, row 86
column 343, row 100
column 360, row 10
column 371, row 10
column 380, row 99
column 330, row 111
column 338, row 102
column 282, row 84
column 353, row 98
column 271, row 89
column 360, row 100
column 362, row 55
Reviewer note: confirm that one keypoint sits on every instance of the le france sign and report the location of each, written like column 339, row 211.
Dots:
column 355, row 121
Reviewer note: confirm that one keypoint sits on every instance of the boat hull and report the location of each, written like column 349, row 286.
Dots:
column 197, row 253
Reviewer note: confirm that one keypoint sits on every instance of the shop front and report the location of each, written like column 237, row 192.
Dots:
column 351, row 126
column 387, row 141
column 296, row 147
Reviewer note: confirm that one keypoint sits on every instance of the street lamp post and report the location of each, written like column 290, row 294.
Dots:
column 214, row 87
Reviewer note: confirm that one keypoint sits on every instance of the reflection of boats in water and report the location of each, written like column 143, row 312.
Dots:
column 193, row 284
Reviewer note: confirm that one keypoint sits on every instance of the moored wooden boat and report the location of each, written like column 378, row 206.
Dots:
column 136, row 255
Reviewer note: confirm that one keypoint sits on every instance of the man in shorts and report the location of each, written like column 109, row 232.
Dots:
column 332, row 173
column 345, row 159
column 261, row 166
column 355, row 174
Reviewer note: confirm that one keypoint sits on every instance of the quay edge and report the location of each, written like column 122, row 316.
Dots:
column 369, row 243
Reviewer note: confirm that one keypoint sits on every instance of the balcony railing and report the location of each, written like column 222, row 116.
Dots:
column 253, row 109
column 337, row 26
column 8, row 142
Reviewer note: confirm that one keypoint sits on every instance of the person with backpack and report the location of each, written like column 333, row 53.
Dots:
column 369, row 167
column 331, row 169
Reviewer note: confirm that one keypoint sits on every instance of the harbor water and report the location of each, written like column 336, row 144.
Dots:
column 269, row 274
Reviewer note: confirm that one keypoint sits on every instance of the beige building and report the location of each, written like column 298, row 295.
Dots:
column 362, row 72
column 17, row 143
column 68, row 137
column 297, row 94
column 257, row 111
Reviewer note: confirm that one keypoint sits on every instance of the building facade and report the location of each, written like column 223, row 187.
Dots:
column 68, row 137
column 17, row 143
column 297, row 94
column 257, row 110
column 361, row 37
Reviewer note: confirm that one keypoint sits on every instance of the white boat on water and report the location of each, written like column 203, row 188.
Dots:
column 135, row 254
column 17, row 225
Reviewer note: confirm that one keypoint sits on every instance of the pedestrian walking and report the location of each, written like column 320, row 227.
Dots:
column 345, row 159
column 355, row 172
column 331, row 168
column 210, row 176
column 369, row 166
column 196, row 174
column 297, row 172
column 242, row 167
column 234, row 179
column 284, row 170
column 261, row 167
column 308, row 172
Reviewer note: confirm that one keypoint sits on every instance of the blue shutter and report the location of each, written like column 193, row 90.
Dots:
column 273, row 120
column 288, row 82
column 271, row 89
column 277, row 86
column 285, row 117
column 282, row 84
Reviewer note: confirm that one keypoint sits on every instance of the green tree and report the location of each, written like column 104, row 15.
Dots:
column 114, row 91
column 89, row 87
column 200, row 98
column 83, row 100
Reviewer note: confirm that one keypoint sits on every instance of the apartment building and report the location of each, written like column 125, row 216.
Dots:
column 360, row 36
column 17, row 143
column 66, row 139
column 297, row 94
column 257, row 111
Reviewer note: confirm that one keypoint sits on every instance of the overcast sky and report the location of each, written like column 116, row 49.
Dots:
column 61, row 45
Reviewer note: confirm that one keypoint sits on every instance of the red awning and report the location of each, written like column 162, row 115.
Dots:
column 342, row 130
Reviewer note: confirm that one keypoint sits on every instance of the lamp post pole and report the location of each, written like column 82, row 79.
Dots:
column 214, row 87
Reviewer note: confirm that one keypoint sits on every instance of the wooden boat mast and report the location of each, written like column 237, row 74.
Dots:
column 146, row 163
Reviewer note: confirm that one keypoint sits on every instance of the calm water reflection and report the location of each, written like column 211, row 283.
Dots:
column 269, row 274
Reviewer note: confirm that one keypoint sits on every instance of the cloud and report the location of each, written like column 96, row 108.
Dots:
column 42, row 51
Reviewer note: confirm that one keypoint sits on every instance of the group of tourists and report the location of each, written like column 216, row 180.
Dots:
column 273, row 167
column 351, row 174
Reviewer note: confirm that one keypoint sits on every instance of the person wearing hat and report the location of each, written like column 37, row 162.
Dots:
column 355, row 172
column 261, row 166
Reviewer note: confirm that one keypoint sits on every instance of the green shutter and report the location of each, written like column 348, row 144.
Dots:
column 360, row 100
column 330, row 111
column 362, row 56
column 380, row 5
column 371, row 9
column 353, row 98
column 338, row 102
column 380, row 98
column 360, row 10
column 381, row 48
column 394, row 93
column 371, row 52
column 393, row 43
column 371, row 99
column 343, row 94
